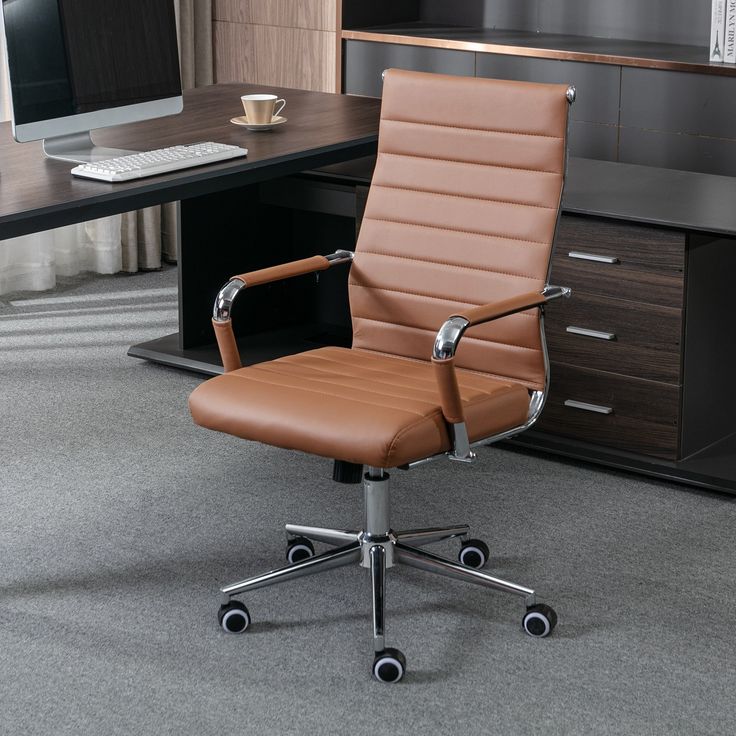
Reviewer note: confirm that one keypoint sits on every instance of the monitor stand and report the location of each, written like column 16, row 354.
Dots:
column 79, row 148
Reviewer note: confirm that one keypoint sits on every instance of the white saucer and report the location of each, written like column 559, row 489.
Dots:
column 242, row 120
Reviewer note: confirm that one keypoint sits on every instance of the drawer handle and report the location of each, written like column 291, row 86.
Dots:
column 588, row 407
column 592, row 257
column 590, row 333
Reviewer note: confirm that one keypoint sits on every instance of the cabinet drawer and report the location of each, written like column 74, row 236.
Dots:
column 635, row 247
column 631, row 262
column 612, row 280
column 622, row 412
column 639, row 340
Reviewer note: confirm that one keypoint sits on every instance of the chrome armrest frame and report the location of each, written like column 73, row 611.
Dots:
column 448, row 338
column 226, row 296
column 449, row 335
column 445, row 346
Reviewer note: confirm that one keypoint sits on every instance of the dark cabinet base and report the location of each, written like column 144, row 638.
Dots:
column 714, row 468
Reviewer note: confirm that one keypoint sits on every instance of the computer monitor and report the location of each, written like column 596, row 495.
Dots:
column 76, row 65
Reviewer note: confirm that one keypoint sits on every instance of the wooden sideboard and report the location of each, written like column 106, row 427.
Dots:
column 641, row 355
column 616, row 346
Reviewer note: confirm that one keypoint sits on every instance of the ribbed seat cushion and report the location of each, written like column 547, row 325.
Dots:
column 353, row 405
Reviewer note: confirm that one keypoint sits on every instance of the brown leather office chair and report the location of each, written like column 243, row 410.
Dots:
column 457, row 236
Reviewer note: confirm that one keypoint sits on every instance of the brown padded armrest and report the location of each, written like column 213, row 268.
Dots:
column 452, row 405
column 494, row 310
column 227, row 344
column 284, row 271
column 447, row 385
column 224, row 329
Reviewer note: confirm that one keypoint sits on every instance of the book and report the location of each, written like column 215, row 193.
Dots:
column 729, row 36
column 717, row 29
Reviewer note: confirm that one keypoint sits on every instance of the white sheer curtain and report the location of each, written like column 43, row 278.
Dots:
column 128, row 242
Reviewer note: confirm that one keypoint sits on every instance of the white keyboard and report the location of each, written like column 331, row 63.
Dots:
column 160, row 161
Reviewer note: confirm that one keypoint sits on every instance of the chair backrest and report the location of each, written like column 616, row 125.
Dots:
column 462, row 210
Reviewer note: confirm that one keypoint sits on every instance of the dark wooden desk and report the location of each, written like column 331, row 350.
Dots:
column 37, row 193
column 220, row 230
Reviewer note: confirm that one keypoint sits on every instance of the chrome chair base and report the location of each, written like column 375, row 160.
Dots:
column 377, row 547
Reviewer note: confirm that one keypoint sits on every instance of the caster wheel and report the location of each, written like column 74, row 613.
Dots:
column 234, row 617
column 389, row 665
column 539, row 621
column 298, row 549
column 474, row 553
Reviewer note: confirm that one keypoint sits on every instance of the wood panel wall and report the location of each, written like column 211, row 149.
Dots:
column 286, row 43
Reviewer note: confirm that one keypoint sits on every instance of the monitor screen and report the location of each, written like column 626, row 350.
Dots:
column 70, row 57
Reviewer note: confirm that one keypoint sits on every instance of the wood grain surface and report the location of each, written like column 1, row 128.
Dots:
column 636, row 246
column 647, row 342
column 37, row 193
column 618, row 282
column 320, row 15
column 291, row 43
column 650, row 261
column 287, row 57
column 645, row 417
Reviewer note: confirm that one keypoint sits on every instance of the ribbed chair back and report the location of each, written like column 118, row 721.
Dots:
column 462, row 211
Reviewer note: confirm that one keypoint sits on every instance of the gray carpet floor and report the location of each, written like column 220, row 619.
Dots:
column 120, row 519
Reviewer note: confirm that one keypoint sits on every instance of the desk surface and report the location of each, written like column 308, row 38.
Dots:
column 37, row 193
column 685, row 200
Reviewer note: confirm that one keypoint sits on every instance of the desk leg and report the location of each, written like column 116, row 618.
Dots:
column 221, row 235
column 214, row 231
column 224, row 234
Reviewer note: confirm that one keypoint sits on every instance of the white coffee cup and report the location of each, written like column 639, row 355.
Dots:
column 260, row 108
